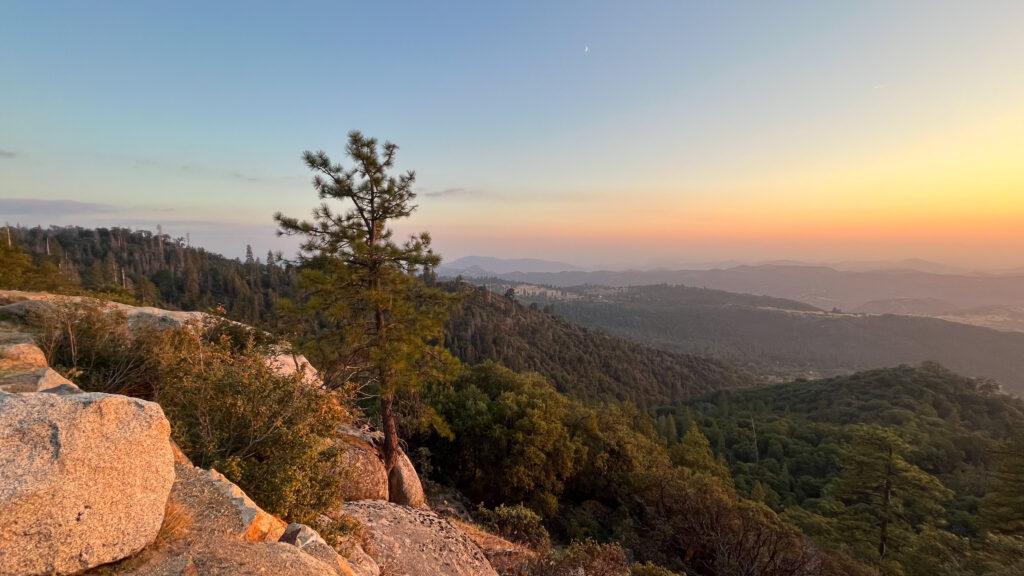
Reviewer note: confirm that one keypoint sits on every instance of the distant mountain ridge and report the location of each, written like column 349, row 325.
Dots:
column 819, row 286
column 489, row 266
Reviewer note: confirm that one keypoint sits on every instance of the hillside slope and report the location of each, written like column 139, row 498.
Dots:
column 772, row 338
column 788, row 436
column 582, row 362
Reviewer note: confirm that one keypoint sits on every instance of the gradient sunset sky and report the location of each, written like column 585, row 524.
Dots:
column 619, row 134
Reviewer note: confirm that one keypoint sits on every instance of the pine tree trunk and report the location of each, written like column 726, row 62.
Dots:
column 387, row 404
column 883, row 539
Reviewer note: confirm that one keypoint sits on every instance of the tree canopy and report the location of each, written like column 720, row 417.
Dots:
column 370, row 321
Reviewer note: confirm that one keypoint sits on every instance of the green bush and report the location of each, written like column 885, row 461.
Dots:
column 268, row 433
column 229, row 410
column 509, row 442
column 516, row 523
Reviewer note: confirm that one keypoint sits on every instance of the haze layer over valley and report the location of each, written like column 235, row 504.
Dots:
column 989, row 299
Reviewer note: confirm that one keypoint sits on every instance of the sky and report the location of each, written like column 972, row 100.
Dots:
column 606, row 134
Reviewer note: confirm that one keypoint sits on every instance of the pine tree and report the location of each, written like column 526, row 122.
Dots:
column 92, row 279
column 145, row 291
column 758, row 493
column 694, row 453
column 1002, row 509
column 378, row 325
column 884, row 496
column 191, row 285
column 671, row 432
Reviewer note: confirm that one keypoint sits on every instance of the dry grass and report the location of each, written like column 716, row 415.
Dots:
column 345, row 533
column 485, row 540
column 507, row 558
column 177, row 522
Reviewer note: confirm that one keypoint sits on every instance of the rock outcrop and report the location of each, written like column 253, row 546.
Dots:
column 361, row 562
column 404, row 484
column 21, row 305
column 365, row 475
column 21, row 356
column 309, row 541
column 228, row 558
column 224, row 533
column 367, row 478
column 257, row 525
column 411, row 541
column 88, row 479
column 23, row 366
column 286, row 363
column 84, row 479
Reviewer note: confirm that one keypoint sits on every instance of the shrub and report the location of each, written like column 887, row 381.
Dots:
column 516, row 523
column 649, row 569
column 509, row 441
column 268, row 433
column 95, row 348
column 592, row 559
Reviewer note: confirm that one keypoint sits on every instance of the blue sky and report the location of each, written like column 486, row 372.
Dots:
column 626, row 133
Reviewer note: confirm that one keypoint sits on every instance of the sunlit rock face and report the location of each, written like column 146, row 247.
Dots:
column 366, row 478
column 23, row 366
column 84, row 479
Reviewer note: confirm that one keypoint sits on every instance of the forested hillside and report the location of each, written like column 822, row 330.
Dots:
column 585, row 363
column 157, row 270
column 793, row 446
column 770, row 337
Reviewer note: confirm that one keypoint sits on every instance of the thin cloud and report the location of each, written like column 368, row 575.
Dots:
column 518, row 197
column 7, row 153
column 33, row 207
column 246, row 178
column 453, row 192
column 189, row 169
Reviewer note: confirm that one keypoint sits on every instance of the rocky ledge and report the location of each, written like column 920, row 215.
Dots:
column 91, row 483
column 412, row 541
